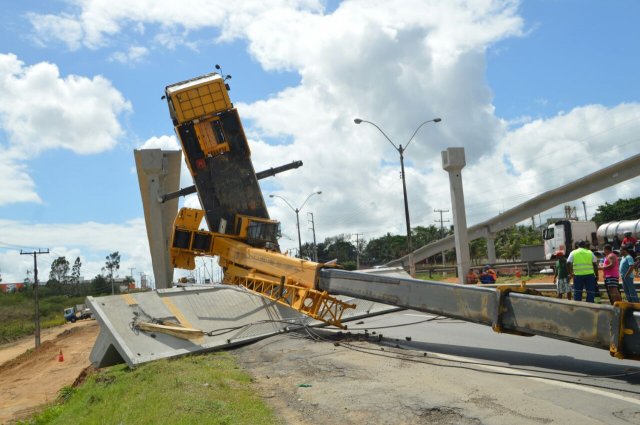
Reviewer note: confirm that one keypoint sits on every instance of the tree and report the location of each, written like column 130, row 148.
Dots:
column 100, row 285
column 75, row 273
column 422, row 236
column 384, row 249
column 622, row 209
column 59, row 270
column 509, row 240
column 478, row 250
column 112, row 265
column 340, row 248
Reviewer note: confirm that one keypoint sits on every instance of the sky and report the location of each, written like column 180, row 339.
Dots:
column 539, row 93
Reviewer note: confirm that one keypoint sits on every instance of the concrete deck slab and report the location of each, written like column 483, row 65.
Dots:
column 231, row 314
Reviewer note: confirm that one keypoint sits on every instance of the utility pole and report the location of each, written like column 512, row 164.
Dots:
column 131, row 269
column 315, row 246
column 357, row 235
column 441, row 227
column 584, row 205
column 35, row 289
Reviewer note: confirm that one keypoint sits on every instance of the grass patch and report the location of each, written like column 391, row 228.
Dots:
column 206, row 389
column 17, row 313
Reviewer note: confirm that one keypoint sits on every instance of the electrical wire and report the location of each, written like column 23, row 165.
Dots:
column 312, row 334
column 431, row 319
column 401, row 356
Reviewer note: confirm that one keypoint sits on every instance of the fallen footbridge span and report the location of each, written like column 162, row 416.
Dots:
column 518, row 311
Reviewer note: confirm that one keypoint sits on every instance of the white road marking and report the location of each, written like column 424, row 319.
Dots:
column 550, row 381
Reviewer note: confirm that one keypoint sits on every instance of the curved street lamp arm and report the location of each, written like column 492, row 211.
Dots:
column 383, row 133
column 417, row 129
column 305, row 201
column 287, row 202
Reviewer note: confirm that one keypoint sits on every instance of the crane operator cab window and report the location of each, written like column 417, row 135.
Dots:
column 258, row 232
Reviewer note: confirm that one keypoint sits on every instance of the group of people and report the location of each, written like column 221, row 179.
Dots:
column 487, row 275
column 582, row 266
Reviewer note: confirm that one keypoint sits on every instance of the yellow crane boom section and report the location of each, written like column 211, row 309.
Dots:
column 287, row 280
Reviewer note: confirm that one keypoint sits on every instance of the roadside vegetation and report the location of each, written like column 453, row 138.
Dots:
column 17, row 313
column 63, row 289
column 206, row 389
column 350, row 250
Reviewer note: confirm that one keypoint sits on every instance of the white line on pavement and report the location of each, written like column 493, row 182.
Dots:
column 550, row 381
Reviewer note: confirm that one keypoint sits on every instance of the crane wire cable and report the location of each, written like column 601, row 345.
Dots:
column 400, row 356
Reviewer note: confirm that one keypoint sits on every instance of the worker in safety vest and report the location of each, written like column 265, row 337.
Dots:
column 583, row 267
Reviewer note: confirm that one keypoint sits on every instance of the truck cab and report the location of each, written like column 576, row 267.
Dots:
column 79, row 312
column 563, row 234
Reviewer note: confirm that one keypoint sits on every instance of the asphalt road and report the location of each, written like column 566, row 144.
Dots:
column 577, row 376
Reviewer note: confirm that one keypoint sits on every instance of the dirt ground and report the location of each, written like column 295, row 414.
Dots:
column 30, row 379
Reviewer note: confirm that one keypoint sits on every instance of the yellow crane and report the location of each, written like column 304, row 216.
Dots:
column 241, row 232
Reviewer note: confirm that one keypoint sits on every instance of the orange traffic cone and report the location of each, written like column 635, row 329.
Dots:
column 60, row 357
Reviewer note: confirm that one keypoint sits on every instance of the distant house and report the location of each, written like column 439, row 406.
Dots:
column 11, row 287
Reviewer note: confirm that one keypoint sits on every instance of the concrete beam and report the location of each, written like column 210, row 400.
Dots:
column 491, row 249
column 453, row 161
column 159, row 174
column 602, row 326
column 594, row 182
column 211, row 308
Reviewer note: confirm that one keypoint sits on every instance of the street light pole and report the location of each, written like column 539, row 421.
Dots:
column 401, row 151
column 297, row 211
column 299, row 238
column 406, row 200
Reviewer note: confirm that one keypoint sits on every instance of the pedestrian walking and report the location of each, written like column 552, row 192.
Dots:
column 626, row 272
column 583, row 267
column 561, row 276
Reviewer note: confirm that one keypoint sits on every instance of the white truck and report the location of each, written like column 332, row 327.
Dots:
column 562, row 235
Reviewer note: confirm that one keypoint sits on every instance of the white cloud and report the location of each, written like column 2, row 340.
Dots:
column 91, row 241
column 91, row 23
column 169, row 143
column 133, row 55
column 41, row 110
column 15, row 183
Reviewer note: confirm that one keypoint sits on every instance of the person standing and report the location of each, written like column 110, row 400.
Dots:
column 629, row 240
column 610, row 269
column 561, row 276
column 626, row 272
column 583, row 267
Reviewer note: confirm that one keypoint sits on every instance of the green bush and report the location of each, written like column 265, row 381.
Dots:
column 17, row 313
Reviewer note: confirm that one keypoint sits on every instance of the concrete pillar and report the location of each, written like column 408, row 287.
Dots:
column 453, row 161
column 491, row 248
column 159, row 174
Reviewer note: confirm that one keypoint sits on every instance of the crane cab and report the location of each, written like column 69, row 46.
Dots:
column 258, row 232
